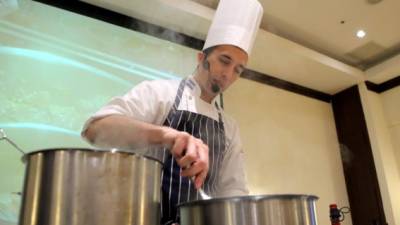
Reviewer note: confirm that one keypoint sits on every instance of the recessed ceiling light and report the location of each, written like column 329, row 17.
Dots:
column 361, row 33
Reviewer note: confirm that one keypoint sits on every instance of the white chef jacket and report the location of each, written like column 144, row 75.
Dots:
column 151, row 101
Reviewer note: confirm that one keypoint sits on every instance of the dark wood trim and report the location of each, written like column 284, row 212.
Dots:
column 285, row 85
column 387, row 85
column 372, row 86
column 121, row 20
column 357, row 159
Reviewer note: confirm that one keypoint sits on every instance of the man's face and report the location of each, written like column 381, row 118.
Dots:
column 226, row 63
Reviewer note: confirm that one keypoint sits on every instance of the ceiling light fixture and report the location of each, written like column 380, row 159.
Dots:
column 361, row 33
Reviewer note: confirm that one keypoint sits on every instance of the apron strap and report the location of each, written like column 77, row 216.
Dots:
column 178, row 96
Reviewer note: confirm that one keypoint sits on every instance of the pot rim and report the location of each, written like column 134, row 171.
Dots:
column 251, row 198
column 110, row 151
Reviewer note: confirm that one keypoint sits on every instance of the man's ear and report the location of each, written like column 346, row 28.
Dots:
column 200, row 57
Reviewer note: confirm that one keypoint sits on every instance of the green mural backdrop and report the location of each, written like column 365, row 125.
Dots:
column 56, row 69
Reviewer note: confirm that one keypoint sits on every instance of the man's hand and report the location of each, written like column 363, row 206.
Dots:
column 190, row 153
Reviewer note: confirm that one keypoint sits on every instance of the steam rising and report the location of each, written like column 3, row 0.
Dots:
column 159, row 32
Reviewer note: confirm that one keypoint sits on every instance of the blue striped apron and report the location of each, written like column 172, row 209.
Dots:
column 176, row 189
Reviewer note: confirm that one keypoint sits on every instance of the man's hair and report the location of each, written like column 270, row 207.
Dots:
column 208, row 51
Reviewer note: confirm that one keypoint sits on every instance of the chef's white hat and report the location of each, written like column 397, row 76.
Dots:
column 235, row 23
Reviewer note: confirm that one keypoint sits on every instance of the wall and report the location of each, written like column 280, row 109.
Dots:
column 391, row 104
column 290, row 144
column 380, row 114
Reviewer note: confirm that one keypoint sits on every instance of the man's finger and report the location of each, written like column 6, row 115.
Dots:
column 199, row 179
column 192, row 170
column 203, row 161
column 190, row 155
column 179, row 147
column 197, row 168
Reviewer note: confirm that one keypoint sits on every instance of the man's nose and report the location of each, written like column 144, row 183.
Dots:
column 228, row 72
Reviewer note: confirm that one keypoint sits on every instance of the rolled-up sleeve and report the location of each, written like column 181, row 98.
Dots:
column 146, row 102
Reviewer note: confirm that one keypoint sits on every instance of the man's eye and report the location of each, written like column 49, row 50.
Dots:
column 224, row 61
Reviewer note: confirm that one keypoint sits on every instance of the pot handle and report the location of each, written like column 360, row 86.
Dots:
column 3, row 136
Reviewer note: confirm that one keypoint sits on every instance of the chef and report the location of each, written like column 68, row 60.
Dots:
column 182, row 121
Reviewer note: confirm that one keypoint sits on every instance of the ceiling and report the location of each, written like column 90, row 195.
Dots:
column 316, row 38
column 330, row 27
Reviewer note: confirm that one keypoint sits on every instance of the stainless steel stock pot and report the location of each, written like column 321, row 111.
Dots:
column 251, row 210
column 74, row 186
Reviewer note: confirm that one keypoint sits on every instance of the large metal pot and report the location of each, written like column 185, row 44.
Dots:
column 251, row 210
column 86, row 187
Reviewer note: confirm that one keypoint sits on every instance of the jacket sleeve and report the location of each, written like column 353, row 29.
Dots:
column 232, row 177
column 149, row 101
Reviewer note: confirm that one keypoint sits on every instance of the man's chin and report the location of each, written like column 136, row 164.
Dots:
column 215, row 88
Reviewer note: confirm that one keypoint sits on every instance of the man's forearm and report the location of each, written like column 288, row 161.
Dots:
column 117, row 131
column 122, row 132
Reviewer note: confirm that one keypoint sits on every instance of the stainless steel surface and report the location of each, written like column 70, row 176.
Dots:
column 203, row 194
column 251, row 210
column 3, row 136
column 87, row 187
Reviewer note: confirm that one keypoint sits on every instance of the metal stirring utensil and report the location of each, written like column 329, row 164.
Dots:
column 203, row 194
column 3, row 136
